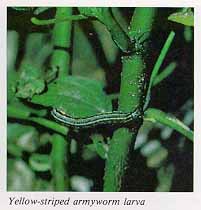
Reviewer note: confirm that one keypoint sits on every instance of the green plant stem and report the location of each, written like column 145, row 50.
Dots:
column 62, row 40
column 155, row 115
column 120, row 18
column 162, row 56
column 59, row 158
column 158, row 64
column 39, row 22
column 104, row 15
column 14, row 112
column 141, row 23
column 165, row 73
column 50, row 124
column 61, row 58
column 132, row 93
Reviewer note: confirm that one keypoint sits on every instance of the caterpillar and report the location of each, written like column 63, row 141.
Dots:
column 107, row 118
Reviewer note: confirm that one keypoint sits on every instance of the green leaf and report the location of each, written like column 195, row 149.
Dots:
column 77, row 96
column 156, row 115
column 185, row 17
column 40, row 162
column 104, row 16
column 30, row 81
column 81, row 64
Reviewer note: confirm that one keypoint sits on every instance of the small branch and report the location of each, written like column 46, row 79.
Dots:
column 155, row 115
column 14, row 112
column 59, row 160
column 158, row 64
column 165, row 73
column 39, row 22
column 50, row 124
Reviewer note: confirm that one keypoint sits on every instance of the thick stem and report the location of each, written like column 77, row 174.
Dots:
column 61, row 58
column 62, row 41
column 132, row 95
column 59, row 158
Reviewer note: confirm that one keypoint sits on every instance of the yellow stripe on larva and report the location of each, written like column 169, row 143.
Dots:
column 107, row 118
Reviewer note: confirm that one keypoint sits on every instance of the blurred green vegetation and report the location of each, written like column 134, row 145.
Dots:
column 163, row 158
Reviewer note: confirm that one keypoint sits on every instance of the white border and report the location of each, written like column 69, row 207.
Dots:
column 114, row 3
column 155, row 201
column 3, row 99
column 197, row 100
